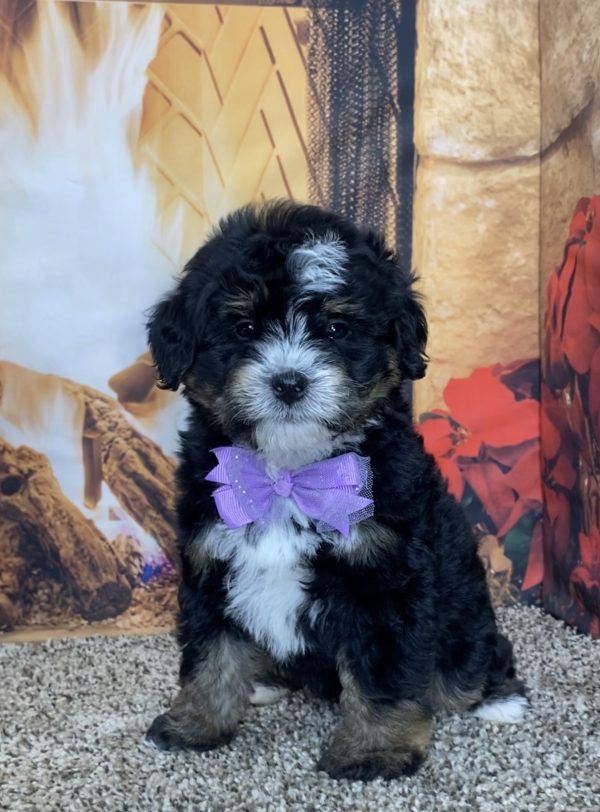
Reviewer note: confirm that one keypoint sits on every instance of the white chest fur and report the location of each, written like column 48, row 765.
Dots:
column 269, row 570
column 267, row 575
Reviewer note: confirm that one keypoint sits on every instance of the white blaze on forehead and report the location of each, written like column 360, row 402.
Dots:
column 319, row 263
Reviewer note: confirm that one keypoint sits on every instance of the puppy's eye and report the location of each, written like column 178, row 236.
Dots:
column 338, row 329
column 245, row 329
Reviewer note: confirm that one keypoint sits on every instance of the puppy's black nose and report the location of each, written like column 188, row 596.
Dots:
column 289, row 385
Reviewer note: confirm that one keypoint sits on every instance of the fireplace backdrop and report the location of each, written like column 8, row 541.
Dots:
column 127, row 130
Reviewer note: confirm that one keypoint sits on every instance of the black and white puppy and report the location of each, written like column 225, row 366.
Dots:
column 292, row 331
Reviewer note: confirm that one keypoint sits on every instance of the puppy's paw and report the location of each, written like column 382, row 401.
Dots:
column 168, row 733
column 367, row 766
column 161, row 735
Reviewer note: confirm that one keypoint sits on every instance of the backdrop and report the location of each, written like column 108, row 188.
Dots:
column 127, row 130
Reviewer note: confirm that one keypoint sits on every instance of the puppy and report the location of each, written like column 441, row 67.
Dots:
column 320, row 547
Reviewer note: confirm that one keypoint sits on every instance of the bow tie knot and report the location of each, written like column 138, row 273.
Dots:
column 283, row 484
column 335, row 492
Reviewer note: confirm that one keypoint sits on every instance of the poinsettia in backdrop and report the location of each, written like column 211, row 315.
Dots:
column 487, row 444
column 571, row 426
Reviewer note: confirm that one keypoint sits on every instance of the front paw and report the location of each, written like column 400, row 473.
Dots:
column 386, row 764
column 169, row 733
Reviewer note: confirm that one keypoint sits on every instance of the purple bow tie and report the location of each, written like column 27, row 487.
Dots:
column 335, row 492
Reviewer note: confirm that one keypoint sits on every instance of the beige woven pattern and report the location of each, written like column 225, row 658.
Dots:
column 225, row 111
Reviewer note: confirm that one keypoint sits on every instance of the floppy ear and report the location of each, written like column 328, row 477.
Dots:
column 410, row 333
column 171, row 340
column 408, row 324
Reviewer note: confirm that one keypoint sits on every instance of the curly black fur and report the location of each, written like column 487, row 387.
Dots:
column 406, row 613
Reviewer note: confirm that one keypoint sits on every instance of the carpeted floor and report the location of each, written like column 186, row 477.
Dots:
column 73, row 714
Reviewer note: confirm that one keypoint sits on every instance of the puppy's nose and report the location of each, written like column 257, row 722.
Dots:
column 289, row 385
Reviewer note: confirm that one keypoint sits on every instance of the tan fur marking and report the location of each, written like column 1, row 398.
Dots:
column 450, row 698
column 342, row 308
column 212, row 701
column 392, row 739
column 203, row 394
column 369, row 540
column 243, row 301
column 379, row 387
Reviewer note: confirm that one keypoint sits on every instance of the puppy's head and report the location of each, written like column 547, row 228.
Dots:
column 289, row 316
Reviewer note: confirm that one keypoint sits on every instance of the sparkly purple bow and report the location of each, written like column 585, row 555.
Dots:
column 335, row 492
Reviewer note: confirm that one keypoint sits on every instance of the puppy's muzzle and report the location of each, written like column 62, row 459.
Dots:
column 289, row 386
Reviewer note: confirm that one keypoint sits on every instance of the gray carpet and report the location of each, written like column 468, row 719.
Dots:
column 73, row 714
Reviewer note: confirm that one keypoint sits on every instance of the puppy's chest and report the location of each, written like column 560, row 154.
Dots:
column 269, row 568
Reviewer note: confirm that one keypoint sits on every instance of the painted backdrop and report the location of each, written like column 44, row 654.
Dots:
column 126, row 131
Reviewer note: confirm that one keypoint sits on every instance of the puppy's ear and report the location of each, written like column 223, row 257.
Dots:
column 171, row 340
column 410, row 330
column 407, row 316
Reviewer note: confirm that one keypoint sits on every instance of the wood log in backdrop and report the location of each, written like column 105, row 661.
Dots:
column 32, row 500
column 139, row 474
column 13, row 573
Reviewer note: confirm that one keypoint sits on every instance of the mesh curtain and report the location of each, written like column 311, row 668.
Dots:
column 361, row 80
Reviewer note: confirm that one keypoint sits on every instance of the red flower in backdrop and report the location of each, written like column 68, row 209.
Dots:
column 441, row 435
column 558, row 441
column 586, row 578
column 572, row 333
column 571, row 424
column 489, row 438
column 594, row 390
